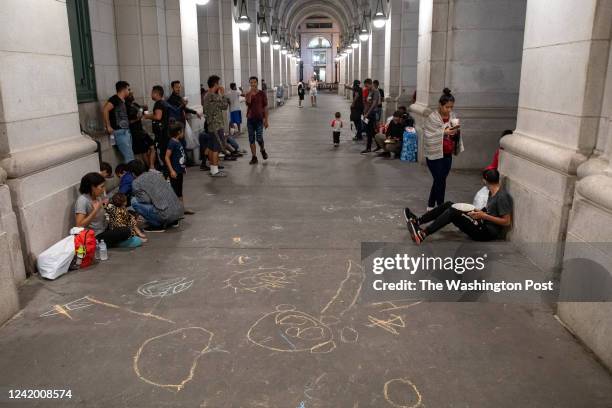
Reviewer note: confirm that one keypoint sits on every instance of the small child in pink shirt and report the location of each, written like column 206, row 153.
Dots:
column 337, row 126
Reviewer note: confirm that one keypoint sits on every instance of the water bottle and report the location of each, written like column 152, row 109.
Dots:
column 97, row 250
column 103, row 251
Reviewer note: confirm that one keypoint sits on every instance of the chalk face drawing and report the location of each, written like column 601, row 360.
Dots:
column 253, row 280
column 178, row 352
column 289, row 330
column 162, row 288
column 402, row 393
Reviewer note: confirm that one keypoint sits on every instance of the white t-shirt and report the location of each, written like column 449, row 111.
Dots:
column 234, row 98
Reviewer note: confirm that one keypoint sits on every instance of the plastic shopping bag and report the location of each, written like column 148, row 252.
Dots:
column 481, row 198
column 190, row 139
column 55, row 261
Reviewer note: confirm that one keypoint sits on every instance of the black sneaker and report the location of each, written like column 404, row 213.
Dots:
column 264, row 154
column 377, row 149
column 204, row 167
column 409, row 216
column 230, row 158
column 366, row 151
column 154, row 229
column 254, row 160
column 384, row 154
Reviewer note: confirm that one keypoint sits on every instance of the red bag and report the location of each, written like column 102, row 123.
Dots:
column 84, row 248
column 448, row 145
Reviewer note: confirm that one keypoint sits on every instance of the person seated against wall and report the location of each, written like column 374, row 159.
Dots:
column 90, row 212
column 154, row 199
column 487, row 224
column 391, row 141
column 495, row 162
column 106, row 170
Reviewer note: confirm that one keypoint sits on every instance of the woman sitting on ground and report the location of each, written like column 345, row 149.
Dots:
column 487, row 224
column 90, row 213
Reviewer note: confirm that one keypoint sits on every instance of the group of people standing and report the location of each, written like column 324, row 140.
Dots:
column 151, row 175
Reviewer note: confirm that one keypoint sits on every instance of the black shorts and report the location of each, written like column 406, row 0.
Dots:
column 177, row 184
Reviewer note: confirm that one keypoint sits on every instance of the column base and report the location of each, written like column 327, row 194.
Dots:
column 9, row 301
column 589, row 237
column 541, row 178
column 44, row 203
column 10, row 229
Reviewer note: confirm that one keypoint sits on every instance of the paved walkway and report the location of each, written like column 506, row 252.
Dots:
column 257, row 308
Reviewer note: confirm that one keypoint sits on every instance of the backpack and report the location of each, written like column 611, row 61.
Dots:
column 84, row 249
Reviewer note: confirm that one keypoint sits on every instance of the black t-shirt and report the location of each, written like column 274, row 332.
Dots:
column 395, row 130
column 382, row 96
column 498, row 205
column 118, row 116
column 160, row 127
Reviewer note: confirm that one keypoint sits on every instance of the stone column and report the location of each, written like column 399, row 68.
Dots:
column 377, row 44
column 409, row 47
column 41, row 147
column 248, row 43
column 590, row 126
column 209, row 42
column 230, row 44
column 393, row 48
column 557, row 121
column 473, row 48
column 12, row 272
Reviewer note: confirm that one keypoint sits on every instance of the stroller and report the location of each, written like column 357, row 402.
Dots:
column 280, row 95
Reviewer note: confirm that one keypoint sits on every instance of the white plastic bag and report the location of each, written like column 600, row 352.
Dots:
column 191, row 141
column 55, row 261
column 481, row 198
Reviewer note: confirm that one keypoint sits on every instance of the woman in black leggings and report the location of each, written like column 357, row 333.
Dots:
column 440, row 142
column 90, row 213
column 484, row 224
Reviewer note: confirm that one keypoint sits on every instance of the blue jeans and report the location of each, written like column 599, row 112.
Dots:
column 255, row 127
column 232, row 142
column 148, row 212
column 123, row 139
column 439, row 170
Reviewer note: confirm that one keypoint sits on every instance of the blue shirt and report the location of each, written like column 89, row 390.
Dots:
column 125, row 184
column 177, row 157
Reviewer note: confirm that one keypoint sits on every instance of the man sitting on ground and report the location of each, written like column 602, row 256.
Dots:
column 480, row 225
column 391, row 142
column 154, row 199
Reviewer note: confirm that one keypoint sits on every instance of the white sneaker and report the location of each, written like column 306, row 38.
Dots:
column 430, row 208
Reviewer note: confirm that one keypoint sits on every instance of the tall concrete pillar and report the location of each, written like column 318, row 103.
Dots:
column 210, row 40
column 266, row 62
column 563, row 119
column 248, row 44
column 363, row 60
column 377, row 45
column 41, row 147
column 474, row 48
column 557, row 122
column 230, row 44
column 409, row 46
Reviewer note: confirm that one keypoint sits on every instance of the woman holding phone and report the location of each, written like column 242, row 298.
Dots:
column 441, row 140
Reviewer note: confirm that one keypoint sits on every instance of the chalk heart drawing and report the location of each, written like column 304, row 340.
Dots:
column 162, row 288
column 402, row 393
column 169, row 360
column 289, row 330
column 243, row 260
column 260, row 278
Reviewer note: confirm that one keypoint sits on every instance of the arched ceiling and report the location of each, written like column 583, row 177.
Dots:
column 291, row 12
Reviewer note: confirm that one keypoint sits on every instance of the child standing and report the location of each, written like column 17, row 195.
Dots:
column 175, row 160
column 119, row 217
column 337, row 125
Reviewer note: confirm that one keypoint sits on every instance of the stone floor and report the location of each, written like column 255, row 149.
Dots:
column 274, row 247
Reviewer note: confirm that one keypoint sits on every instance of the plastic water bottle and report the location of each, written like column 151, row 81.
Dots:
column 97, row 250
column 103, row 251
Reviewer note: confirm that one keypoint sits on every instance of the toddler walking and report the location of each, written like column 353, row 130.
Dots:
column 337, row 126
